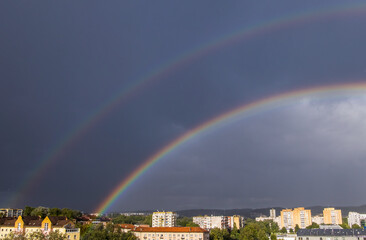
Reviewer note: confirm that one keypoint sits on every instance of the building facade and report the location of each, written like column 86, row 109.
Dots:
column 356, row 218
column 11, row 212
column 272, row 213
column 318, row 219
column 332, row 216
column 28, row 225
column 235, row 220
column 221, row 222
column 170, row 233
column 299, row 216
column 164, row 219
column 331, row 234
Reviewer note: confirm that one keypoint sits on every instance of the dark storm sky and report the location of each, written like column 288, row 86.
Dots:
column 61, row 60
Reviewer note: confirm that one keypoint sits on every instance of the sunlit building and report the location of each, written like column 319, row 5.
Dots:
column 235, row 220
column 164, row 219
column 299, row 216
column 29, row 225
column 332, row 216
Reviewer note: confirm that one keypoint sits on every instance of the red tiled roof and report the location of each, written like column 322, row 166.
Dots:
column 169, row 229
column 127, row 226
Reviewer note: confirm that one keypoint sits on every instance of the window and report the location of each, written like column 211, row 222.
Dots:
column 19, row 225
column 46, row 226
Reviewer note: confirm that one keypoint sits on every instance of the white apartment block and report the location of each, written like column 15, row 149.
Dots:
column 164, row 219
column 221, row 222
column 356, row 218
column 210, row 222
column 318, row 219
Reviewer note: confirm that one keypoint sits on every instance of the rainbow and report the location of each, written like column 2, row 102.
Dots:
column 213, row 123
column 164, row 70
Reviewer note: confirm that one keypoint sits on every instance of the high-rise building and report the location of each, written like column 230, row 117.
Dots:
column 332, row 216
column 272, row 213
column 235, row 220
column 299, row 216
column 164, row 219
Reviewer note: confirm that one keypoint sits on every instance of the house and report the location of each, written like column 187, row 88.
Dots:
column 29, row 224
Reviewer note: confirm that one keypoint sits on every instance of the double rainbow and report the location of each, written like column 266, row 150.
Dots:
column 171, row 66
column 214, row 123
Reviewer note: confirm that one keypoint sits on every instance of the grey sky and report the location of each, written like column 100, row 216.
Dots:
column 60, row 61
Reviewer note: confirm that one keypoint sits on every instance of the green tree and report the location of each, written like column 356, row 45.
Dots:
column 274, row 227
column 148, row 220
column 344, row 226
column 28, row 210
column 313, row 225
column 219, row 234
column 283, row 230
column 234, row 233
column 356, row 226
column 291, row 230
column 110, row 232
column 253, row 231
column 54, row 212
column 297, row 228
column 186, row 222
column 40, row 212
column 273, row 237
column 15, row 236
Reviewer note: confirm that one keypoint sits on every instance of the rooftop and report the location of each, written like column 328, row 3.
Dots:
column 331, row 232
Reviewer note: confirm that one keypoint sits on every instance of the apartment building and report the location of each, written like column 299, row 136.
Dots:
column 235, row 220
column 170, row 233
column 11, row 212
column 28, row 225
column 210, row 222
column 356, row 218
column 298, row 216
column 221, row 222
column 164, row 219
column 332, row 216
column 318, row 219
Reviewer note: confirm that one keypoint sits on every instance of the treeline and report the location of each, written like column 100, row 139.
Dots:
column 110, row 232
column 186, row 222
column 251, row 231
column 44, row 211
column 135, row 219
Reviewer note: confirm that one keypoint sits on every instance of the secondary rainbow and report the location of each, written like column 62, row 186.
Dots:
column 171, row 66
column 246, row 109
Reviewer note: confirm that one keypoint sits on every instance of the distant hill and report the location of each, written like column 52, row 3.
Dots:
column 253, row 213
